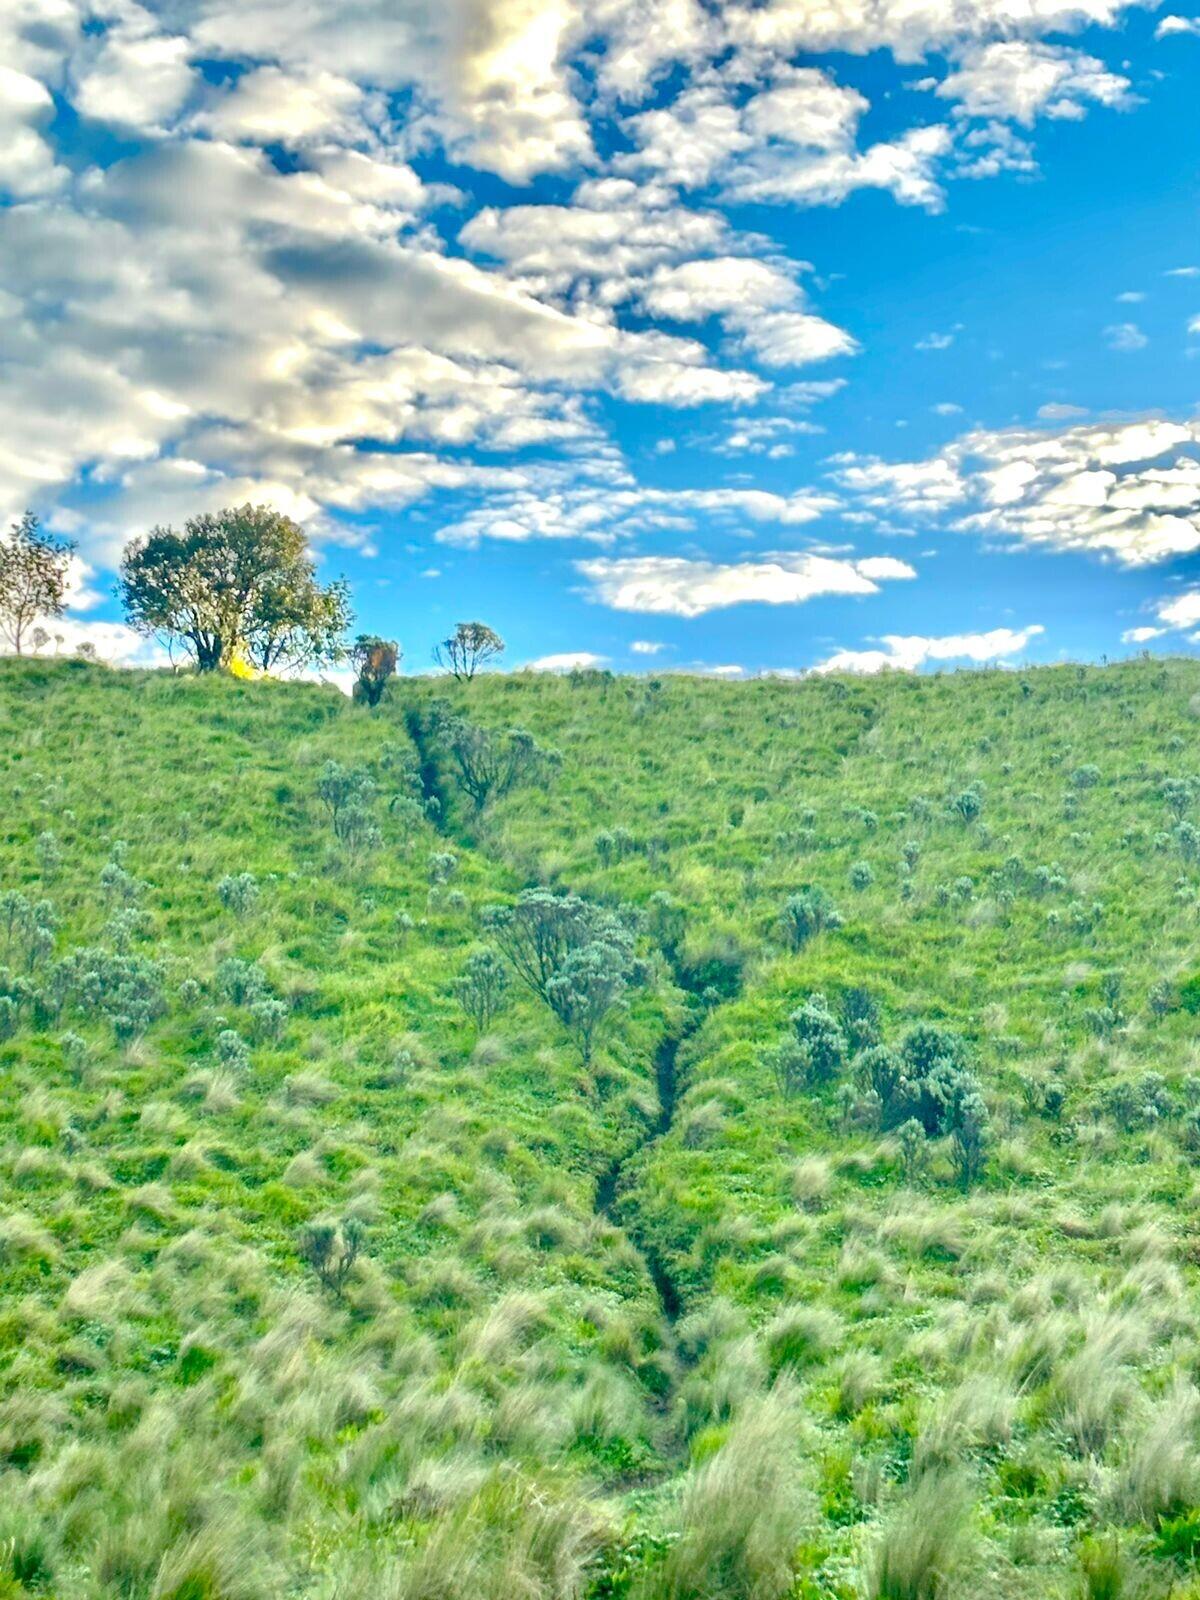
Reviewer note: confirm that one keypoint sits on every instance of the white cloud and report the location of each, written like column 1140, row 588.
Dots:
column 675, row 586
column 1021, row 80
column 268, row 105
column 27, row 162
column 1173, row 25
column 646, row 647
column 935, row 341
column 137, row 78
column 1126, row 491
column 908, row 652
column 187, row 318
column 906, row 168
column 112, row 642
column 615, row 507
column 568, row 661
column 1174, row 615
column 1125, row 337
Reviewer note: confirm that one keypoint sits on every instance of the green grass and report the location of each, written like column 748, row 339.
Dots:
column 581, row 1354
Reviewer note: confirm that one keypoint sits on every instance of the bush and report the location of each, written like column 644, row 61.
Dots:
column 862, row 875
column 807, row 913
column 820, row 1038
column 967, row 805
column 239, row 894
column 483, row 986
column 575, row 956
column 332, row 1251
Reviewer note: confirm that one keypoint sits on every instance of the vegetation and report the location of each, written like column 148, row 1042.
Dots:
column 34, row 568
column 471, row 646
column 606, row 1191
column 234, row 582
column 375, row 661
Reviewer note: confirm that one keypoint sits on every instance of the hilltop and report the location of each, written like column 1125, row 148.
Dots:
column 823, row 1227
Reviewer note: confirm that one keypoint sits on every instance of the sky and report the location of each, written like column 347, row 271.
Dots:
column 764, row 336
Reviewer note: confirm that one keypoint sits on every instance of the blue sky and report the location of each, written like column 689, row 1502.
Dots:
column 761, row 336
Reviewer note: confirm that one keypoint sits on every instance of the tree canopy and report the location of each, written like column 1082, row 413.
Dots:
column 471, row 646
column 237, row 581
column 33, row 579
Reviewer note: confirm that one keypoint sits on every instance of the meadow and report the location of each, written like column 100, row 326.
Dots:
column 567, row 1138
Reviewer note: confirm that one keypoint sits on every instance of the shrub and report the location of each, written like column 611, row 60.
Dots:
column 332, row 1251
column 575, row 956
column 807, row 913
column 914, row 1149
column 241, row 982
column 375, row 660
column 482, row 987
column 239, row 893
column 788, row 1063
column 489, row 765
column 232, row 1051
column 49, row 855
column 268, row 1018
column 966, row 1118
column 858, row 1013
column 967, row 805
column 339, row 788
column 862, row 875
column 820, row 1038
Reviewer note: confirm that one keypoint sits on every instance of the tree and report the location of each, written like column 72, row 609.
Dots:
column 586, row 989
column 33, row 579
column 471, row 646
column 482, row 986
column 489, row 764
column 376, row 660
column 238, row 580
column 575, row 956
column 298, row 623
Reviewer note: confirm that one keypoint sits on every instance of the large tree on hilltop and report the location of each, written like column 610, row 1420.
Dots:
column 238, row 580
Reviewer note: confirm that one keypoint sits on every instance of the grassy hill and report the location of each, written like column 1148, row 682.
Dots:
column 856, row 1259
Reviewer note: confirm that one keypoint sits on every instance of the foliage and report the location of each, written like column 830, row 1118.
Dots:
column 575, row 956
column 656, row 1328
column 34, row 566
column 471, row 646
column 332, row 1251
column 375, row 660
column 807, row 913
column 488, row 766
column 236, row 580
column 482, row 988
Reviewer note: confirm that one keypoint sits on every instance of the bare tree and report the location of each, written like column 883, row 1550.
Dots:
column 471, row 646
column 33, row 579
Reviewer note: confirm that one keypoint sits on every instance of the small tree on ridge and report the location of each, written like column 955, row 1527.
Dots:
column 33, row 579
column 471, row 646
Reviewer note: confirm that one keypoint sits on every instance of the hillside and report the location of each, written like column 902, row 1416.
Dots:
column 314, row 1284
